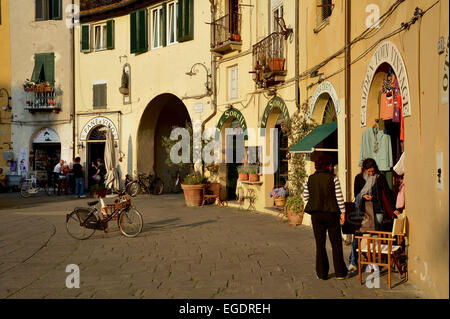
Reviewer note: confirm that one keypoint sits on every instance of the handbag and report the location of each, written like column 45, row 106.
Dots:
column 352, row 219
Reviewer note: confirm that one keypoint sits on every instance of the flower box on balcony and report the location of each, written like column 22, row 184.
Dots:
column 276, row 64
column 236, row 37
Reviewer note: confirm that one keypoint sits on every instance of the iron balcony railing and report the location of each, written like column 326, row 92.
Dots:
column 227, row 28
column 268, row 54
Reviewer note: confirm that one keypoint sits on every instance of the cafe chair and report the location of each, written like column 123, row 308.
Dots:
column 383, row 249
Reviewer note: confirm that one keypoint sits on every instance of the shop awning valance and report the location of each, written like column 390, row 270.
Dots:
column 309, row 142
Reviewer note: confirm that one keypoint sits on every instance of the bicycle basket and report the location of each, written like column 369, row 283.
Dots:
column 123, row 202
column 90, row 222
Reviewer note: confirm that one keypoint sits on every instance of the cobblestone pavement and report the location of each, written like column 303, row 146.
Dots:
column 208, row 252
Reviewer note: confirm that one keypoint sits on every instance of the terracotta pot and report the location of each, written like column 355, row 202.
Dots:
column 48, row 89
column 213, row 188
column 276, row 64
column 294, row 218
column 253, row 178
column 236, row 37
column 28, row 89
column 280, row 201
column 193, row 194
column 243, row 177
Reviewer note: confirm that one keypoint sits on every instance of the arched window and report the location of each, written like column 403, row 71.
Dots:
column 98, row 134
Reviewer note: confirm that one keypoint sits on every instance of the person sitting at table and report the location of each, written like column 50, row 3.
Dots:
column 70, row 178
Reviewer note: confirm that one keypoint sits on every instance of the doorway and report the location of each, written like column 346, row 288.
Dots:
column 96, row 149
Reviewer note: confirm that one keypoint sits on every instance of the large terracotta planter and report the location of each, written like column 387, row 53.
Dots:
column 280, row 201
column 253, row 178
column 243, row 177
column 193, row 194
column 276, row 64
column 213, row 188
column 294, row 218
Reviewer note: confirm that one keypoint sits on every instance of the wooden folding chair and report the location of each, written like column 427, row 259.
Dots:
column 382, row 249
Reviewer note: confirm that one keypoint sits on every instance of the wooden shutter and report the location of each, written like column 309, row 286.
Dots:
column 163, row 25
column 142, row 30
column 39, row 60
column 133, row 32
column 49, row 67
column 39, row 9
column 56, row 9
column 103, row 90
column 99, row 96
column 110, row 34
column 185, row 23
column 85, row 38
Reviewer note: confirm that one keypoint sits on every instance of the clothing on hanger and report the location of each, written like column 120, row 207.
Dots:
column 377, row 145
column 397, row 102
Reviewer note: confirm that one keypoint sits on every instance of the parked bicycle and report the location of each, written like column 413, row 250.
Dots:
column 31, row 186
column 150, row 184
column 83, row 222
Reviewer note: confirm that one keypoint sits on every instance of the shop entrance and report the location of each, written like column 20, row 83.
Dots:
column 96, row 149
column 46, row 152
column 281, row 174
column 233, row 146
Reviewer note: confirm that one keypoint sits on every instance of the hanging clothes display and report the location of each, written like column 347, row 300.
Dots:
column 402, row 125
column 397, row 102
column 387, row 99
column 377, row 145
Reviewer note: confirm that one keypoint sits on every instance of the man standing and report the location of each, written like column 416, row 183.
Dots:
column 78, row 173
column 325, row 201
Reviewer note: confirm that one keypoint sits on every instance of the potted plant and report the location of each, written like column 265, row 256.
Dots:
column 294, row 210
column 276, row 64
column 193, row 186
column 279, row 196
column 243, row 173
column 98, row 190
column 236, row 37
column 253, row 175
column 28, row 85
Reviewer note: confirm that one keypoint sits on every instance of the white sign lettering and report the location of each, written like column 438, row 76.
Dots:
column 445, row 76
column 97, row 121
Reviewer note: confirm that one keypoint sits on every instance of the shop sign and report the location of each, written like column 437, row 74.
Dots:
column 324, row 87
column 232, row 113
column 276, row 102
column 444, row 99
column 97, row 121
column 46, row 135
column 386, row 53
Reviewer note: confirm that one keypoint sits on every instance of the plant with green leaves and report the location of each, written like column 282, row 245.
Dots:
column 243, row 169
column 194, row 179
column 299, row 127
column 253, row 169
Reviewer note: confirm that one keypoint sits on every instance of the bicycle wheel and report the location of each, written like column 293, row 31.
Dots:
column 24, row 190
column 158, row 187
column 130, row 222
column 133, row 189
column 75, row 229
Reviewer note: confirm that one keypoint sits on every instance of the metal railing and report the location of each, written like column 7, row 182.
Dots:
column 227, row 28
column 268, row 54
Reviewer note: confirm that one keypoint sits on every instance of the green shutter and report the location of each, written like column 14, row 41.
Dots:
column 185, row 20
column 110, row 34
column 39, row 60
column 85, row 38
column 133, row 32
column 49, row 68
column 39, row 10
column 56, row 9
column 142, row 30
column 163, row 25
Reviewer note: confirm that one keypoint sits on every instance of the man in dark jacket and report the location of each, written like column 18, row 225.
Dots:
column 326, row 207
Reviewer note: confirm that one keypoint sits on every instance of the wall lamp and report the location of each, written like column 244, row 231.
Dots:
column 194, row 71
column 8, row 107
column 80, row 145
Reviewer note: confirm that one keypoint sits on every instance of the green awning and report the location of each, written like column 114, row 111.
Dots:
column 309, row 142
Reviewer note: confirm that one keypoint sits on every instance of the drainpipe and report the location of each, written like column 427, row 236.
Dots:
column 213, row 74
column 348, row 158
column 297, row 58
column 72, row 30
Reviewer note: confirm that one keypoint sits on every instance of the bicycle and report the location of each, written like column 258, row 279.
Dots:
column 31, row 186
column 82, row 223
column 151, row 184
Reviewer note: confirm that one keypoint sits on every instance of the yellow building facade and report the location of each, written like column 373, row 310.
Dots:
column 5, row 85
column 411, row 45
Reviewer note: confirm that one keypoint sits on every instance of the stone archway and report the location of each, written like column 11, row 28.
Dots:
column 162, row 114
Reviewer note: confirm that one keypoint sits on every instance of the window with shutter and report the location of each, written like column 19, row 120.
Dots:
column 48, row 10
column 99, row 96
column 172, row 9
column 138, row 31
column 85, row 38
column 185, row 20
column 56, row 9
column 44, row 68
column 133, row 32
column 100, row 36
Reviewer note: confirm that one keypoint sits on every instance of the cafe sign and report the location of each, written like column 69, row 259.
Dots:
column 232, row 114
column 387, row 52
column 98, row 121
column 328, row 88
column 276, row 102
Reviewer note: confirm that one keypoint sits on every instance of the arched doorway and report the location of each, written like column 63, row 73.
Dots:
column 276, row 116
column 232, row 129
column 46, row 151
column 96, row 141
column 161, row 115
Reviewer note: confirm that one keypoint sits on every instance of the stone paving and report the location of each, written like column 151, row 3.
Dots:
column 182, row 252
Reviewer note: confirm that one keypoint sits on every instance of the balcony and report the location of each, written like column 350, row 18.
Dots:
column 269, row 60
column 42, row 98
column 227, row 34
